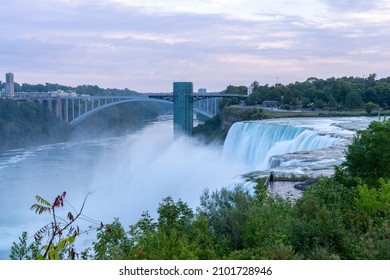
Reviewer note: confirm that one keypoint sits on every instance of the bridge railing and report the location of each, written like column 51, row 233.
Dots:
column 209, row 105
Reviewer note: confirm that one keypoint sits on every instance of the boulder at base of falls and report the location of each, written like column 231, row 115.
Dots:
column 302, row 186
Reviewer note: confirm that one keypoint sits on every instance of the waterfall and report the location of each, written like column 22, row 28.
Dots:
column 254, row 143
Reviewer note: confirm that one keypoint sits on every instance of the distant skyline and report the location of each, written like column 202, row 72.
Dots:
column 147, row 45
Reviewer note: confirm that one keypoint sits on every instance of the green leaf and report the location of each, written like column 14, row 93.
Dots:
column 71, row 239
column 61, row 245
column 42, row 201
column 53, row 255
column 39, row 209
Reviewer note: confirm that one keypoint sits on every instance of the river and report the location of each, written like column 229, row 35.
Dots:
column 127, row 175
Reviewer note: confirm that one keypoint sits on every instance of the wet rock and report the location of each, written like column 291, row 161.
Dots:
column 306, row 184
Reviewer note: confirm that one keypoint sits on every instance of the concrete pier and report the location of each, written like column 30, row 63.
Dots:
column 182, row 108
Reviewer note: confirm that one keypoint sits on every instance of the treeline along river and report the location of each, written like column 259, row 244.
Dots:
column 126, row 175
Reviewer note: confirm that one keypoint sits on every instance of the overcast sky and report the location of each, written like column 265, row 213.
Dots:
column 146, row 45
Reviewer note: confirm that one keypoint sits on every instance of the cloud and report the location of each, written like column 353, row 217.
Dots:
column 348, row 5
column 147, row 47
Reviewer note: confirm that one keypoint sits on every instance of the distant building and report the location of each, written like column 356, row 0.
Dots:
column 202, row 91
column 9, row 84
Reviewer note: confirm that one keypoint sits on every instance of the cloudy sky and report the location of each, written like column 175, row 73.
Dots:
column 145, row 45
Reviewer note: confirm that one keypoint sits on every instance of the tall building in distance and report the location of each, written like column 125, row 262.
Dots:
column 9, row 84
column 202, row 91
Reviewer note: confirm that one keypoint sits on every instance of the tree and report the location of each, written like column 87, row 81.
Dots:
column 236, row 90
column 112, row 243
column 318, row 226
column 254, row 86
column 371, row 80
column 369, row 107
column 368, row 157
column 61, row 233
column 23, row 251
column 353, row 100
column 375, row 202
column 227, row 212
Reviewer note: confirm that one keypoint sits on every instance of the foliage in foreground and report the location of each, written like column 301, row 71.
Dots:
column 368, row 157
column 329, row 221
column 56, row 239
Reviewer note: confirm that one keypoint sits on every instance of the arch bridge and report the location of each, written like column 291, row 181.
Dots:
column 74, row 109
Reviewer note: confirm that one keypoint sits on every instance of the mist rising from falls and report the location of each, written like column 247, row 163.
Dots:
column 255, row 143
column 152, row 165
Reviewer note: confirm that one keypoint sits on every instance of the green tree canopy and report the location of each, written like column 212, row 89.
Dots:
column 368, row 157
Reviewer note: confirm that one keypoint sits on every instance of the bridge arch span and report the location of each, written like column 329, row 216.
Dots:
column 90, row 113
column 105, row 106
column 204, row 113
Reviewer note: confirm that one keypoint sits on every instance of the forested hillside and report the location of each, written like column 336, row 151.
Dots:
column 28, row 123
column 332, row 93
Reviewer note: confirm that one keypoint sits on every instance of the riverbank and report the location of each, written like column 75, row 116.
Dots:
column 323, row 113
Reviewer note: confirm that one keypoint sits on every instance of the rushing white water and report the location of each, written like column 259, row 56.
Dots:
column 300, row 146
column 254, row 143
